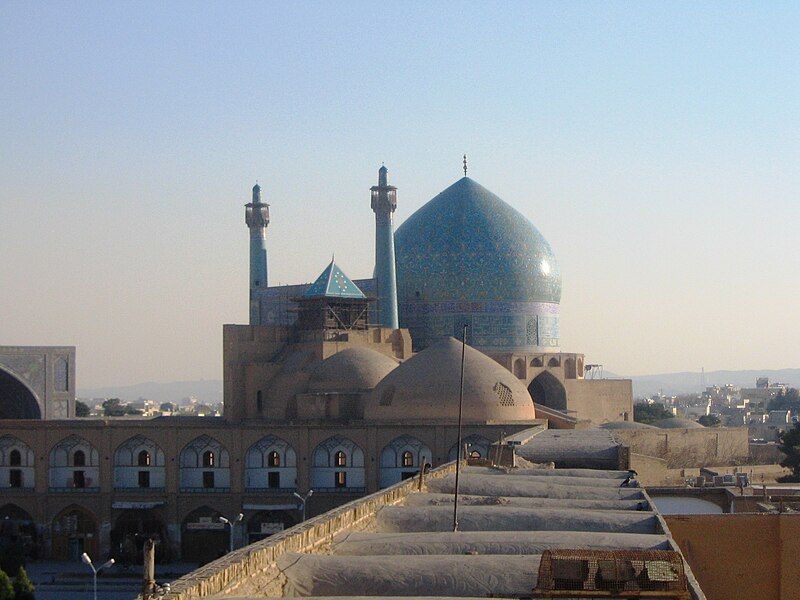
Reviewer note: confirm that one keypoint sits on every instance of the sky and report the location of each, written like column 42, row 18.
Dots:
column 655, row 145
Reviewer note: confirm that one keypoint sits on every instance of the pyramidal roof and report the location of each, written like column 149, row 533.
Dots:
column 333, row 283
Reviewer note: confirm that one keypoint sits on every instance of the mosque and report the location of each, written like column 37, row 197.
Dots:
column 334, row 389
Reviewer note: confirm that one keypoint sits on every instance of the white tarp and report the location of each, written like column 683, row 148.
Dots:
column 464, row 575
column 391, row 519
column 482, row 485
column 521, row 501
column 489, row 542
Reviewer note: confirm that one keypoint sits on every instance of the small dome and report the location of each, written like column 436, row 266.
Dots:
column 357, row 368
column 626, row 425
column 426, row 387
column 677, row 423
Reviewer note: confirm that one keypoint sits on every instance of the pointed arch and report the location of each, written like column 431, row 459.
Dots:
column 338, row 465
column 139, row 463
column 17, row 398
column 474, row 444
column 547, row 390
column 271, row 464
column 402, row 458
column 204, row 465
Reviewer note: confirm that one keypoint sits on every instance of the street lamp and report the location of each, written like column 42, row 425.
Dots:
column 88, row 561
column 303, row 500
column 232, row 523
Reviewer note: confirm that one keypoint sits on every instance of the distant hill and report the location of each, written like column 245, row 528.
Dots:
column 207, row 391
column 688, row 383
column 643, row 385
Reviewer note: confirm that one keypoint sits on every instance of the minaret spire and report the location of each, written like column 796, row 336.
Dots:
column 465, row 165
column 384, row 202
column 257, row 218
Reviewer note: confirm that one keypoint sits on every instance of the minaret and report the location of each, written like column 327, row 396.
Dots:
column 257, row 218
column 384, row 201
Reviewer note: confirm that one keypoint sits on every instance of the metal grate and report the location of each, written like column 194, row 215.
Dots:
column 504, row 394
column 607, row 573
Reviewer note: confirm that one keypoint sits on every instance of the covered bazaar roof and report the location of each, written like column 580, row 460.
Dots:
column 333, row 283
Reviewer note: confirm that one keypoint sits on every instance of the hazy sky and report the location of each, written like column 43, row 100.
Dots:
column 656, row 146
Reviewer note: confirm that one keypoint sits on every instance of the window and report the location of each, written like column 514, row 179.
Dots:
column 208, row 459
column 340, row 478
column 144, row 479
column 340, row 459
column 504, row 394
column 79, row 459
column 273, row 459
column 78, row 479
column 15, row 458
column 274, row 479
column 408, row 459
column 259, row 402
column 15, row 478
column 143, row 459
column 208, row 479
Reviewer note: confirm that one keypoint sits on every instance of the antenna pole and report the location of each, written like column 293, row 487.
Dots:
column 460, row 415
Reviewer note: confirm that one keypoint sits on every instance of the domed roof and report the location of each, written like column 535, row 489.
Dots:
column 356, row 368
column 626, row 425
column 468, row 244
column 677, row 423
column 426, row 387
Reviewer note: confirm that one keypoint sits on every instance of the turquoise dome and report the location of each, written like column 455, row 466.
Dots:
column 468, row 257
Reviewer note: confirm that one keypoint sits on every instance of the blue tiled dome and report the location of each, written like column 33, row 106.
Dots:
column 468, row 246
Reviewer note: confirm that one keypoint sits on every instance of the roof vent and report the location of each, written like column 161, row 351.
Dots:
column 504, row 394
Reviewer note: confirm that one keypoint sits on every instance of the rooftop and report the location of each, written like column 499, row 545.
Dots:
column 400, row 541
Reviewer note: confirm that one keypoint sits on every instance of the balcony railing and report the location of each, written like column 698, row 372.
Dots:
column 272, row 490
column 205, row 490
column 341, row 490
column 75, row 490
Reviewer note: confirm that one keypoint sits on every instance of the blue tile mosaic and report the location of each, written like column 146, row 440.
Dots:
column 467, row 256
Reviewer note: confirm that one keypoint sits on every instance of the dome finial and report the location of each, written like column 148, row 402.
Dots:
column 465, row 165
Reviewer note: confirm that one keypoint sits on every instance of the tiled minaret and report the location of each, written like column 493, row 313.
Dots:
column 384, row 201
column 257, row 218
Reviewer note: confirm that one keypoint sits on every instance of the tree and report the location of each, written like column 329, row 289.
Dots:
column 649, row 413
column 6, row 589
column 786, row 400
column 113, row 408
column 167, row 407
column 81, row 409
column 789, row 444
column 709, row 420
column 23, row 587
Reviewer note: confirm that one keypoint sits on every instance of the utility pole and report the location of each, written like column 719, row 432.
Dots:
column 149, row 570
column 460, row 415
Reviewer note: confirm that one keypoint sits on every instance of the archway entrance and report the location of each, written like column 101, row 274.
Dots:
column 74, row 532
column 132, row 528
column 16, row 400
column 19, row 538
column 268, row 522
column 203, row 536
column 548, row 391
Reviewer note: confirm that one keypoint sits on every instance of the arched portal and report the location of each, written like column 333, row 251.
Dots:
column 131, row 529
column 74, row 531
column 17, row 401
column 203, row 536
column 548, row 391
column 19, row 538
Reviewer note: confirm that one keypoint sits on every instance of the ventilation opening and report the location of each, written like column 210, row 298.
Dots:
column 504, row 394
